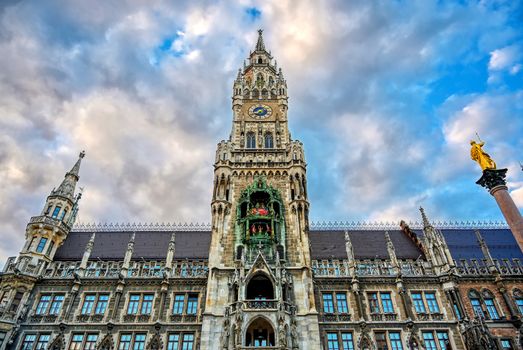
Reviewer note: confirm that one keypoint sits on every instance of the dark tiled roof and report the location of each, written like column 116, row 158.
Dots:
column 148, row 245
column 367, row 244
column 464, row 245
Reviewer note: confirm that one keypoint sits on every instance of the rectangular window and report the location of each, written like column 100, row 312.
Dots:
column 134, row 302
column 43, row 340
column 417, row 300
column 346, row 341
column 491, row 308
column 476, row 306
column 101, row 304
column 456, row 310
column 332, row 341
column 341, row 303
column 519, row 303
column 381, row 341
column 139, row 341
column 432, row 303
column 76, row 342
column 41, row 245
column 192, row 304
column 443, row 340
column 328, row 305
column 179, row 301
column 43, row 304
column 90, row 342
column 2, row 337
column 188, row 342
column 50, row 248
column 428, row 340
column 173, row 341
column 28, row 342
column 56, row 211
column 63, row 214
column 147, row 304
column 386, row 303
column 125, row 342
column 395, row 341
column 374, row 303
column 506, row 345
column 56, row 305
column 16, row 301
column 87, row 306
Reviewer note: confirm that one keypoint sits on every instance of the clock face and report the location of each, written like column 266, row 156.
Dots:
column 260, row 111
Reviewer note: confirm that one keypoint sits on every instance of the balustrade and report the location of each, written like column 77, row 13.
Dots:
column 137, row 269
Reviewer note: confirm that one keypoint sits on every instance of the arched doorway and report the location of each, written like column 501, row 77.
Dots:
column 260, row 334
column 260, row 288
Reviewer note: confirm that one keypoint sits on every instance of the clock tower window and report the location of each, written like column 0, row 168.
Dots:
column 269, row 142
column 251, row 140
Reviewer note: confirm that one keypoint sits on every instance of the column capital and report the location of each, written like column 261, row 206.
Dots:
column 493, row 178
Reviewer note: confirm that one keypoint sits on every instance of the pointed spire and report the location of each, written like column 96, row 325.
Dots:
column 485, row 250
column 426, row 222
column 391, row 250
column 260, row 45
column 67, row 187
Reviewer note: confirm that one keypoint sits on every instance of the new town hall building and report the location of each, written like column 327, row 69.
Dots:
column 260, row 276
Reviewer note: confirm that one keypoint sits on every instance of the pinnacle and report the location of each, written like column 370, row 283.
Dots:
column 260, row 45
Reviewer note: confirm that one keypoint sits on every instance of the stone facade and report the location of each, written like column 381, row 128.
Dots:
column 260, row 276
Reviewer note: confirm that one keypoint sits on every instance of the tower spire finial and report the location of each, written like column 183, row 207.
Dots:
column 67, row 187
column 260, row 45
column 426, row 222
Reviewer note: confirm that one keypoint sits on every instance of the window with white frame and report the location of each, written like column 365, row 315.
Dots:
column 83, row 341
column 185, row 303
column 94, row 304
column 49, row 304
column 436, row 340
column 380, row 302
column 388, row 340
column 132, row 341
column 35, row 342
column 425, row 302
column 142, row 302
column 180, row 341
column 340, row 340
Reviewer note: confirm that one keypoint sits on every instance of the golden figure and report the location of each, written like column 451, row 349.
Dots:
column 477, row 154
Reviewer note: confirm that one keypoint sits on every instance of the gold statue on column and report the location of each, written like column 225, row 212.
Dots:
column 477, row 154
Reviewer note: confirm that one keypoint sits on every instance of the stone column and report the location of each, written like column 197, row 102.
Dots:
column 494, row 181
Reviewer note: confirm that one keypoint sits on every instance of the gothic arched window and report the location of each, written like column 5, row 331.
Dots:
column 246, row 93
column 490, row 304
column 269, row 142
column 265, row 94
column 260, row 334
column 475, row 301
column 251, row 140
column 255, row 93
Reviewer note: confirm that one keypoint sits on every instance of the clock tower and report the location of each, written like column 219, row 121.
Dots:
column 260, row 290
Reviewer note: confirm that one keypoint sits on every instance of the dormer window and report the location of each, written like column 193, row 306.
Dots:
column 56, row 211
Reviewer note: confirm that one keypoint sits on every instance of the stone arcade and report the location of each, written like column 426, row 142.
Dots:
column 260, row 276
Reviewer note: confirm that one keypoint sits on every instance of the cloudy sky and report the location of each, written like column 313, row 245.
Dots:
column 384, row 95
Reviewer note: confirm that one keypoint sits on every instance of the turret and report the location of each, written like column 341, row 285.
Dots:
column 46, row 232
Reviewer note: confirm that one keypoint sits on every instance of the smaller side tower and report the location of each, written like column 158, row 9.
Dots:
column 47, row 231
column 43, row 235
